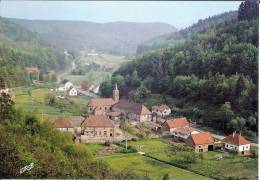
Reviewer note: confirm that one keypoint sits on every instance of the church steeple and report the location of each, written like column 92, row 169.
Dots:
column 116, row 93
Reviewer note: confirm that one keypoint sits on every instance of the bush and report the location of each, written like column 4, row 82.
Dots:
column 107, row 143
column 130, row 149
column 254, row 153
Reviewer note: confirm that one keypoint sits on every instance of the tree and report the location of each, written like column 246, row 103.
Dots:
column 225, row 114
column 237, row 124
column 2, row 83
column 166, row 177
column 6, row 107
column 248, row 10
column 141, row 93
column 106, row 88
column 127, row 129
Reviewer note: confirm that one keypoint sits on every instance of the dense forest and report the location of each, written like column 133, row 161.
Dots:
column 211, row 76
column 20, row 48
column 167, row 39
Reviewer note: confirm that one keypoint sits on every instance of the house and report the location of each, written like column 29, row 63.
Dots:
column 76, row 122
column 114, row 115
column 172, row 124
column 101, row 106
column 236, row 142
column 68, row 85
column 63, row 124
column 201, row 142
column 97, row 128
column 73, row 92
column 183, row 133
column 161, row 110
column 133, row 111
column 70, row 123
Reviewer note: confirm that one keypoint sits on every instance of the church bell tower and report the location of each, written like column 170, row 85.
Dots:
column 116, row 93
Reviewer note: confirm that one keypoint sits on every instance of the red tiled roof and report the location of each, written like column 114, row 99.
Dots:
column 202, row 138
column 132, row 107
column 115, row 114
column 62, row 122
column 99, row 102
column 177, row 122
column 97, row 121
column 76, row 121
column 235, row 139
column 185, row 130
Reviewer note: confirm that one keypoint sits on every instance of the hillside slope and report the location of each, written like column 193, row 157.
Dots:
column 20, row 48
column 211, row 75
column 114, row 37
column 166, row 39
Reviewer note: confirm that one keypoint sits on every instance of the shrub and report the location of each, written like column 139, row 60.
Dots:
column 107, row 143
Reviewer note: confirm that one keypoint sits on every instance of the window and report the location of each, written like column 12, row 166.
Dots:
column 100, row 133
column 200, row 150
column 105, row 133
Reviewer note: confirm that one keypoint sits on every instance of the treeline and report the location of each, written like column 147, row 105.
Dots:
column 20, row 48
column 83, row 69
column 212, row 75
column 165, row 40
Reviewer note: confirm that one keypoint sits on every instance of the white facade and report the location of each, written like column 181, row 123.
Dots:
column 66, row 129
column 240, row 148
column 73, row 92
column 165, row 112
column 68, row 85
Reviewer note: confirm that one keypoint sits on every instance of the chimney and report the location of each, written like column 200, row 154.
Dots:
column 234, row 133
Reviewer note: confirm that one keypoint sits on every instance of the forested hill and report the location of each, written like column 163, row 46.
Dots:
column 166, row 39
column 20, row 48
column 211, row 75
column 114, row 37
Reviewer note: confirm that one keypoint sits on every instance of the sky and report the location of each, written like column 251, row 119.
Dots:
column 180, row 14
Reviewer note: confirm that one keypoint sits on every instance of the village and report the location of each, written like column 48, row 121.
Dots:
column 122, row 132
column 106, row 116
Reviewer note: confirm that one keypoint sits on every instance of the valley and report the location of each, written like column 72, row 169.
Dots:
column 130, row 100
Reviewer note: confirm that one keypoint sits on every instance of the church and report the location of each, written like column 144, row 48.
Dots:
column 133, row 111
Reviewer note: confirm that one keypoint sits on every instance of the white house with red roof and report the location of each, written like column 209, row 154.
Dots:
column 236, row 142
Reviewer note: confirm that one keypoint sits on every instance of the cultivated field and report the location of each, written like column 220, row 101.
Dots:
column 36, row 101
column 171, row 156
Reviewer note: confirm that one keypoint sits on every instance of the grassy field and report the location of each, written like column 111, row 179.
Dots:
column 141, row 165
column 230, row 165
column 97, row 77
column 36, row 103
column 92, row 76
